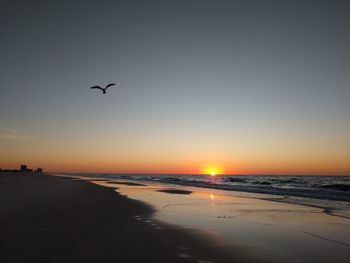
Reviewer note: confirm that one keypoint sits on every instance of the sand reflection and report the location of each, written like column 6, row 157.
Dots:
column 279, row 231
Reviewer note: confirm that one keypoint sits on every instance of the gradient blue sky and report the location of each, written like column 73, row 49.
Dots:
column 243, row 86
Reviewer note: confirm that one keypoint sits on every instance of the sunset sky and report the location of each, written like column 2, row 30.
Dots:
column 243, row 87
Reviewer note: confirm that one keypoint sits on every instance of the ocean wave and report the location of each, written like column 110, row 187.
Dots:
column 327, row 188
column 339, row 187
column 234, row 180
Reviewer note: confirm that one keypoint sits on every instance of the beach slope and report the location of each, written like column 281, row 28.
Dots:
column 51, row 219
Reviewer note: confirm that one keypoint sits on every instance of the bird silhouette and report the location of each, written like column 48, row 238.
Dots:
column 104, row 90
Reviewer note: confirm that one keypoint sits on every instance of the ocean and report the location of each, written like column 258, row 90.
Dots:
column 318, row 187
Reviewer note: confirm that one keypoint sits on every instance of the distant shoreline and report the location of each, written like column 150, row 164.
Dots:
column 222, row 174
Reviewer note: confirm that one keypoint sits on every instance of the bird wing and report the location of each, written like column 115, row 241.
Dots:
column 96, row 87
column 111, row 84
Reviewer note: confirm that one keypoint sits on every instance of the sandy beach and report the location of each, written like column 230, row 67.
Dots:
column 269, row 230
column 175, row 131
column 56, row 219
column 46, row 218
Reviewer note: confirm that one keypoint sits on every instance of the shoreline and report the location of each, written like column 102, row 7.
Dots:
column 275, row 230
column 46, row 218
column 329, row 206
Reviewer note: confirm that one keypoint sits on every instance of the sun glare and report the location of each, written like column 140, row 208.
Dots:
column 212, row 170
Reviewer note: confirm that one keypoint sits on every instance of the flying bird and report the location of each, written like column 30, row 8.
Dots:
column 104, row 90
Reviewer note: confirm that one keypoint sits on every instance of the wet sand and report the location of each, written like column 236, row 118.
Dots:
column 175, row 191
column 51, row 219
column 125, row 183
column 273, row 231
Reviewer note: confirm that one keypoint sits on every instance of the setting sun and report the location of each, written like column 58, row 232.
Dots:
column 212, row 170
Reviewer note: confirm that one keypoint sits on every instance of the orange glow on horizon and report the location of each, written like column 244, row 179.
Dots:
column 99, row 162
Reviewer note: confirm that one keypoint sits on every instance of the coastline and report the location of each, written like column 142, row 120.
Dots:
column 46, row 218
column 332, row 206
column 274, row 230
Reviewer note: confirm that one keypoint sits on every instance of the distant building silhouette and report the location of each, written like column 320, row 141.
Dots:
column 24, row 168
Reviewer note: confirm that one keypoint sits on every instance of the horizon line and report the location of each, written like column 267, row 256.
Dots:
column 219, row 174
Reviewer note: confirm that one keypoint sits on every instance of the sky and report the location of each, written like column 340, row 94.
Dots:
column 239, row 87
